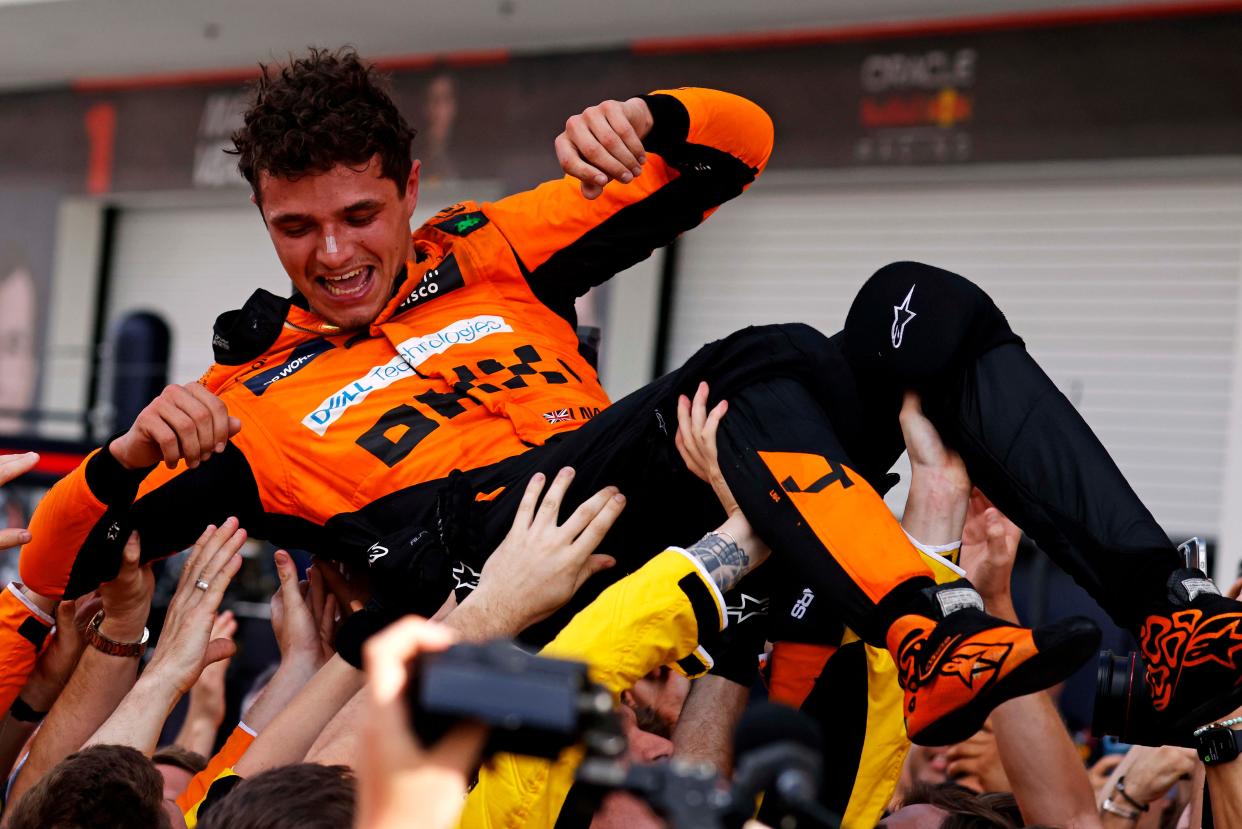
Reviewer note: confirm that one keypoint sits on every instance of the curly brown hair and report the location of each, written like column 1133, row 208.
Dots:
column 321, row 110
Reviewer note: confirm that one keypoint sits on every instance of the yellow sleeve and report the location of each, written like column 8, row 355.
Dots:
column 650, row 618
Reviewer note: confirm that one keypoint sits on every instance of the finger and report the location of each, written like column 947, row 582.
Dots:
column 597, row 563
column 588, row 509
column 689, row 442
column 218, row 649
column 11, row 466
column 593, row 180
column 327, row 622
column 208, row 544
column 615, row 112
column 217, row 411
column 173, row 412
column 224, row 552
column 219, row 583
column 550, row 508
column 1235, row 591
column 698, row 410
column 335, row 582
column 201, row 416
column 191, row 561
column 710, row 425
column 14, row 538
column 588, row 145
column 317, row 592
column 132, row 554
column 606, row 134
column 599, row 526
column 166, row 439
column 530, row 498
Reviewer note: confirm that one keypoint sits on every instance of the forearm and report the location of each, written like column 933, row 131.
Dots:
column 14, row 735
column 704, row 731
column 1224, row 784
column 139, row 719
column 198, row 733
column 290, row 678
column 97, row 686
column 1045, row 770
column 290, row 733
column 338, row 743
column 936, row 507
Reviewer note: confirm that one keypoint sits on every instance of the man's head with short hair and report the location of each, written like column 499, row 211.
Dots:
column 327, row 155
column 177, row 766
column 949, row 806
column 298, row 796
column 104, row 787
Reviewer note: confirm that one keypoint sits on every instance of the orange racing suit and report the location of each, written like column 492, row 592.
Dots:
column 474, row 360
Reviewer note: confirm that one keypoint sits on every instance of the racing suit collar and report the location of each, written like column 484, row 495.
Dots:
column 426, row 256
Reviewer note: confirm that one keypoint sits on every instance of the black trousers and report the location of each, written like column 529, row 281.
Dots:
column 810, row 436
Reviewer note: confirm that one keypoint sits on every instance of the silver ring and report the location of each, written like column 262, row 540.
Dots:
column 201, row 584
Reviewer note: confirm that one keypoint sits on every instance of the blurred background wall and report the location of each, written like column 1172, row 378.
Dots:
column 1082, row 161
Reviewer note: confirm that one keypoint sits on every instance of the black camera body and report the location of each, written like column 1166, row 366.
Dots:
column 533, row 705
column 1123, row 707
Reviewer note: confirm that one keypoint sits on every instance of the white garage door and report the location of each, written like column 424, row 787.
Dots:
column 1126, row 291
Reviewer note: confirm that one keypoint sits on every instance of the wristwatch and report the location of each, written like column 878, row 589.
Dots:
column 1217, row 742
column 110, row 646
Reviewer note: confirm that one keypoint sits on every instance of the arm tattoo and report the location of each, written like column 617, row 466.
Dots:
column 723, row 559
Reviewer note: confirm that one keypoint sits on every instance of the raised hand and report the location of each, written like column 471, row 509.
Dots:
column 11, row 466
column 605, row 143
column 298, row 615
column 184, row 422
column 186, row 645
column 401, row 782
column 696, row 443
column 989, row 548
column 127, row 598
column 540, row 564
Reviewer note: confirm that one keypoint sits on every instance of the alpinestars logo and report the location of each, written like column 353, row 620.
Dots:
column 465, row 577
column 977, row 662
column 901, row 318
column 376, row 552
column 749, row 606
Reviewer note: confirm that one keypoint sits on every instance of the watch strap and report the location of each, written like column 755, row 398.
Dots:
column 110, row 646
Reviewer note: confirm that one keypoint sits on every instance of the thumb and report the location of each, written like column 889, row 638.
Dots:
column 286, row 571
column 597, row 563
column 65, row 614
column 234, row 426
column 133, row 550
column 218, row 649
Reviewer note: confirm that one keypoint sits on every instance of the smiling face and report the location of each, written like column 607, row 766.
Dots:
column 342, row 236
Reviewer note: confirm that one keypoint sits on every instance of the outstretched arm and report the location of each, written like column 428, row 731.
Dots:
column 693, row 150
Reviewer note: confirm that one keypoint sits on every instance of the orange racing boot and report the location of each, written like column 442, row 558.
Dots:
column 956, row 667
column 1193, row 652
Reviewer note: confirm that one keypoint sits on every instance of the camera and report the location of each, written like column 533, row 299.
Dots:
column 1123, row 706
column 533, row 705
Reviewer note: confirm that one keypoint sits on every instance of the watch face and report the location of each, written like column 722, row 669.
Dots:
column 1217, row 746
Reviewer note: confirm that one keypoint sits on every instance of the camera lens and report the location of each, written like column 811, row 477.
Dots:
column 1112, row 692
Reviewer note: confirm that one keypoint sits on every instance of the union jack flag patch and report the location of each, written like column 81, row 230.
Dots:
column 558, row 416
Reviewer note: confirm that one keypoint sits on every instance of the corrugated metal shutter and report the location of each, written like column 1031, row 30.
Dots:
column 1125, row 290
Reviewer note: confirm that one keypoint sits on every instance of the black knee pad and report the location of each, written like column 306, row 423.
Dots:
column 914, row 325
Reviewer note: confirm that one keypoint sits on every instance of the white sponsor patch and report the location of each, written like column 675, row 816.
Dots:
column 1197, row 587
column 410, row 354
column 958, row 598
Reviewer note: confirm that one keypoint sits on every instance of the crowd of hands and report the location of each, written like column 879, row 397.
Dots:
column 315, row 708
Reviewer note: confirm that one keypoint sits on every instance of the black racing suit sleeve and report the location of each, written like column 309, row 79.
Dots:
column 704, row 148
column 80, row 528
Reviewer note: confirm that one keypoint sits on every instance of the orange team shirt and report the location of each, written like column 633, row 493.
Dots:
column 474, row 360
